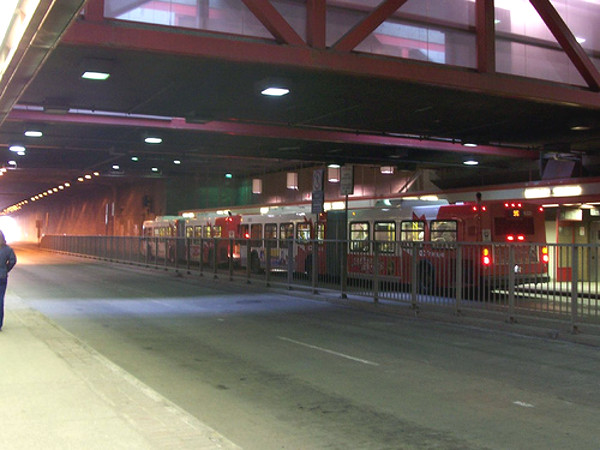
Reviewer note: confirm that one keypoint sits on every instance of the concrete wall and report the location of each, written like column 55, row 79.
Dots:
column 118, row 206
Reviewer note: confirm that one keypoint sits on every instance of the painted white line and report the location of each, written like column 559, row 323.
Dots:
column 523, row 404
column 331, row 352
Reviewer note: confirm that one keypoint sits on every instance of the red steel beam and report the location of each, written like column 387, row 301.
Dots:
column 274, row 22
column 270, row 131
column 568, row 42
column 109, row 35
column 486, row 42
column 315, row 23
column 363, row 29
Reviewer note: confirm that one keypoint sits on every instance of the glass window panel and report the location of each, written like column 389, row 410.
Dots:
column 412, row 230
column 286, row 231
column 444, row 231
column 271, row 231
column 384, row 233
column 359, row 237
column 303, row 231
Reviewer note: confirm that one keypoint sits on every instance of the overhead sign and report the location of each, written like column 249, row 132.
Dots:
column 347, row 180
column 318, row 194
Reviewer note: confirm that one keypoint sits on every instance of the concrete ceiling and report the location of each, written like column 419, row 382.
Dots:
column 206, row 106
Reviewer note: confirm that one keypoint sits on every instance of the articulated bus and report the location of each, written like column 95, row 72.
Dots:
column 427, row 245
column 412, row 244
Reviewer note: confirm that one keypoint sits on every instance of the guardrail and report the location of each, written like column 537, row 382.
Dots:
column 555, row 281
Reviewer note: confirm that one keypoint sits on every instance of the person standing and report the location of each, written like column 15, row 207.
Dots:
column 8, row 260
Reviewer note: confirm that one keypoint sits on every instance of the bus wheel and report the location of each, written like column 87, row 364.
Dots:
column 425, row 279
column 254, row 263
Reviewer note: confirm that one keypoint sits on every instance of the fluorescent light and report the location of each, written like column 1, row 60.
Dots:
column 469, row 144
column 471, row 162
column 566, row 191
column 540, row 192
column 135, row 158
column 387, row 170
column 96, row 76
column 176, row 161
column 155, row 169
column 34, row 133
column 153, row 140
column 16, row 148
column 116, row 167
column 275, row 91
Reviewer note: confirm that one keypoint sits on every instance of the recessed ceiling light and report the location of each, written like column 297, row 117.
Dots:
column 176, row 161
column 155, row 169
column 135, row 158
column 153, row 140
column 228, row 176
column 34, row 133
column 96, row 76
column 275, row 91
column 16, row 148
column 116, row 167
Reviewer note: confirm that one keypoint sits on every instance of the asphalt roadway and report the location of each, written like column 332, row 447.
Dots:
column 269, row 370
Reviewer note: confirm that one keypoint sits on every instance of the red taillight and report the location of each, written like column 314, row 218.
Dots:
column 545, row 256
column 510, row 238
column 486, row 257
column 541, row 209
column 247, row 235
column 520, row 237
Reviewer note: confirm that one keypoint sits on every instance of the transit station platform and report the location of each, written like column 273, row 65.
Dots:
column 57, row 393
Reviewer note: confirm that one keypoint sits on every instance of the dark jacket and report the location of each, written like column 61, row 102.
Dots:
column 7, row 261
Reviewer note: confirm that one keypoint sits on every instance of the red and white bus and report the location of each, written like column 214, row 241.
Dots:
column 192, row 239
column 411, row 244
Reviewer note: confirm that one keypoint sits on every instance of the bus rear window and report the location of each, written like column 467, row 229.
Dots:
column 504, row 226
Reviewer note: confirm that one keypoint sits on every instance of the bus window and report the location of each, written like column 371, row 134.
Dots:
column 320, row 232
column 384, row 233
column 271, row 231
column 216, row 231
column 198, row 231
column 412, row 230
column 189, row 232
column 207, row 231
column 444, row 231
column 359, row 237
column 256, row 234
column 286, row 232
column 303, row 232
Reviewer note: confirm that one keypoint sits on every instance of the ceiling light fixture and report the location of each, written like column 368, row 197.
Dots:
column 153, row 140
column 95, row 76
column 273, row 91
column 34, row 133
column 16, row 148
column 470, row 162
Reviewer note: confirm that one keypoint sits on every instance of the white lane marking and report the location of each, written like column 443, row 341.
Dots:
column 523, row 404
column 342, row 355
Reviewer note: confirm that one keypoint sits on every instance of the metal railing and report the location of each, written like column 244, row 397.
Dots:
column 557, row 281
